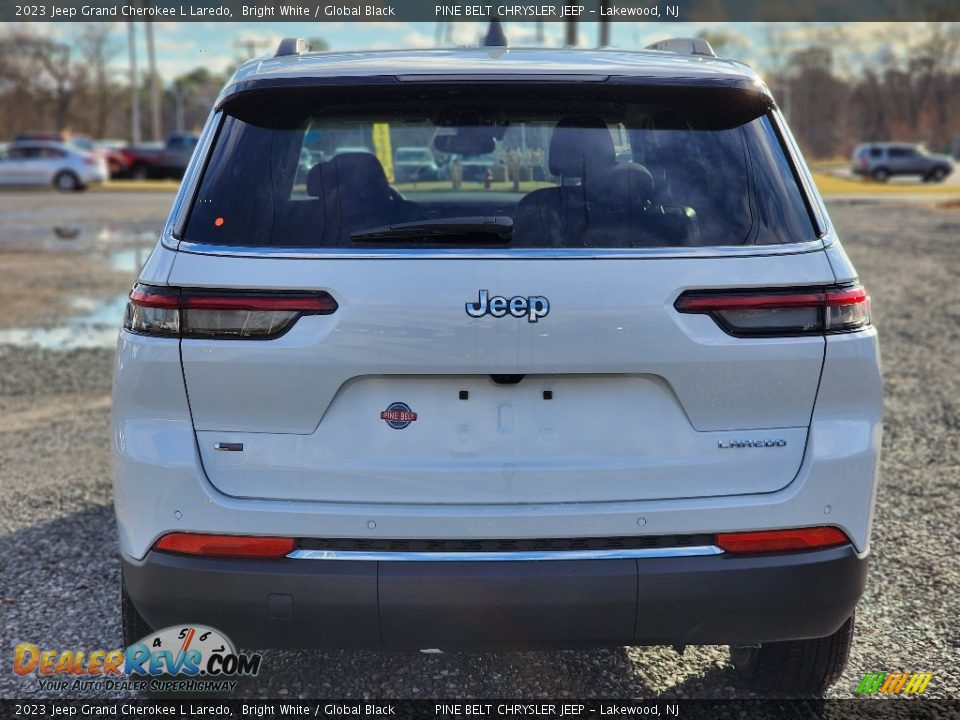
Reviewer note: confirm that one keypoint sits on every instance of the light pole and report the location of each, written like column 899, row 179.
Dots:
column 179, row 94
column 155, row 126
column 134, row 94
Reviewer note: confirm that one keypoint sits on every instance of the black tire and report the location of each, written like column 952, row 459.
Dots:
column 880, row 174
column 937, row 175
column 140, row 171
column 66, row 181
column 135, row 628
column 796, row 668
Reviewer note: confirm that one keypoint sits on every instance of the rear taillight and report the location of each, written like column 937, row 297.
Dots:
column 153, row 311
column 91, row 159
column 250, row 546
column 777, row 311
column 175, row 312
column 848, row 308
column 781, row 540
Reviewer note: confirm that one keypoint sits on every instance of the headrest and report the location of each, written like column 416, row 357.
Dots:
column 631, row 180
column 581, row 145
column 359, row 173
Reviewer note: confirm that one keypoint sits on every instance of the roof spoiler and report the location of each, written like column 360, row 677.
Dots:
column 292, row 46
column 684, row 46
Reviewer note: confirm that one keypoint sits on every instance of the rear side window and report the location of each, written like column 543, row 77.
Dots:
column 498, row 167
column 903, row 152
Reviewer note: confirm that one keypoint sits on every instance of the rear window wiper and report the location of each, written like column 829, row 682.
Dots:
column 468, row 230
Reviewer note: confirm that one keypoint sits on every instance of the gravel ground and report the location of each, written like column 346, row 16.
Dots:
column 58, row 573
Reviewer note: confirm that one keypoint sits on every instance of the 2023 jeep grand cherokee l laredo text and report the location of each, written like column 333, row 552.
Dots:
column 635, row 401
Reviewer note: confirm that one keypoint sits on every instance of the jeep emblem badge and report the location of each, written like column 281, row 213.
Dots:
column 533, row 307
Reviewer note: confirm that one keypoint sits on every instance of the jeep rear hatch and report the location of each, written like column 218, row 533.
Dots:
column 548, row 364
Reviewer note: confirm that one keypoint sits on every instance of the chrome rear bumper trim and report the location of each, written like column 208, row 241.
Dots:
column 512, row 556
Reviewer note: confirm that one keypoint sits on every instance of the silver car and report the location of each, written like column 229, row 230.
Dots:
column 881, row 161
column 65, row 167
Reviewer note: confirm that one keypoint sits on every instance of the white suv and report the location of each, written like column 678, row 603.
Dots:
column 621, row 389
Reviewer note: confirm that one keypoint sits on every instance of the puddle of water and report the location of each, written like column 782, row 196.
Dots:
column 97, row 326
column 100, row 313
column 128, row 260
column 96, row 322
column 55, row 237
column 60, row 338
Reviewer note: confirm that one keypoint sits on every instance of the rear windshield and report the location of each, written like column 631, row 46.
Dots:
column 511, row 165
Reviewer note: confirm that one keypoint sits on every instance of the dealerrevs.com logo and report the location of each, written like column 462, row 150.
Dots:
column 182, row 658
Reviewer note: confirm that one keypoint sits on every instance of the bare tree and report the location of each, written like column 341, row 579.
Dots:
column 97, row 46
column 134, row 81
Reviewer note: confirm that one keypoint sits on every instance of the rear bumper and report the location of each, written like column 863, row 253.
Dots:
column 289, row 603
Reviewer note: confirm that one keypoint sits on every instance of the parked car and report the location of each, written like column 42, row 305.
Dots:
column 640, row 404
column 166, row 160
column 351, row 149
column 66, row 167
column 881, row 161
column 411, row 164
column 304, row 165
column 115, row 160
column 475, row 168
column 56, row 136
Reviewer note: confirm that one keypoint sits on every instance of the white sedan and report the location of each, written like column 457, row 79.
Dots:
column 47, row 163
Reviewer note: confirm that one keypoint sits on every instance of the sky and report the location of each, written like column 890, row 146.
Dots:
column 183, row 46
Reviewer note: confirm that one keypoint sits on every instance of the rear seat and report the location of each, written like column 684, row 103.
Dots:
column 355, row 195
column 599, row 202
column 581, row 148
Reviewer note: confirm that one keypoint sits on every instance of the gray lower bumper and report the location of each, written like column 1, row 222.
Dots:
column 288, row 603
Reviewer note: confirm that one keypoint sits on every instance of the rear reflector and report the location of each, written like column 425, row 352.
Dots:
column 780, row 540
column 777, row 311
column 225, row 545
column 220, row 313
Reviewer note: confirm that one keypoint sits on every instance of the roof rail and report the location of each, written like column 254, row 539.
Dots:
column 684, row 46
column 292, row 46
